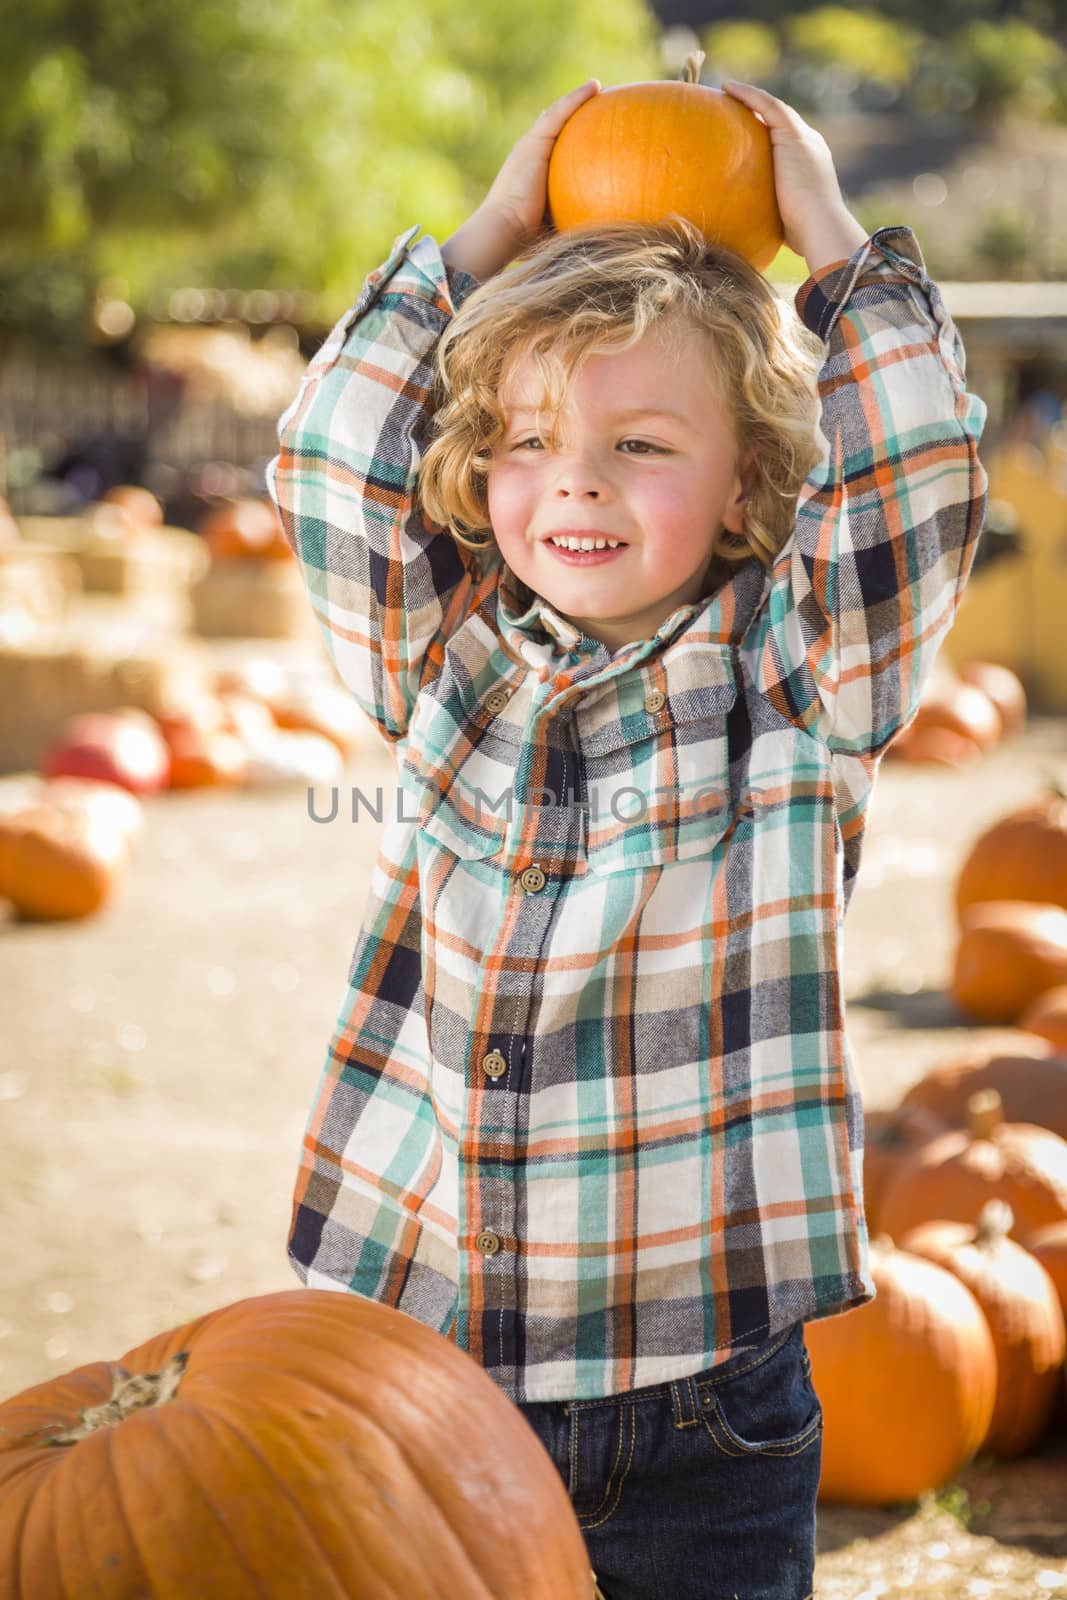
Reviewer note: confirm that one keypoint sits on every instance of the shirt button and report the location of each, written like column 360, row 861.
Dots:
column 488, row 1243
column 496, row 701
column 532, row 880
column 655, row 700
column 494, row 1065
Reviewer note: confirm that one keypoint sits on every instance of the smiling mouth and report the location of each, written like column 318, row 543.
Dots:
column 584, row 543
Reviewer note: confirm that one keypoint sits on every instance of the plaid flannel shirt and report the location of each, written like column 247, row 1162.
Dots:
column 588, row 1108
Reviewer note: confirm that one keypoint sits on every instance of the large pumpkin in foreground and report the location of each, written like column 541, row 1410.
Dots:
column 300, row 1444
column 907, row 1383
column 644, row 150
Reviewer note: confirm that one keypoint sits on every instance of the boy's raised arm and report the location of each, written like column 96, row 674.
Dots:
column 384, row 583
column 863, row 593
column 866, row 589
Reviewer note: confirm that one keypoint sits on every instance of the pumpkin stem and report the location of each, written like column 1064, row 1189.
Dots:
column 985, row 1113
column 693, row 63
column 995, row 1221
column 129, row 1392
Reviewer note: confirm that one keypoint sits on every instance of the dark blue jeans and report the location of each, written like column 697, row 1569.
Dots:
column 698, row 1489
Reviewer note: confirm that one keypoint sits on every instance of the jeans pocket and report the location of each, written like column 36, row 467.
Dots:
column 766, row 1407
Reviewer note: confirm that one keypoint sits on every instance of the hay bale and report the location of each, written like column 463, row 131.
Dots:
column 72, row 667
column 36, row 585
column 252, row 599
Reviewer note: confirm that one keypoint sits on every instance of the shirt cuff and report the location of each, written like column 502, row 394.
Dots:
column 889, row 251
column 425, row 272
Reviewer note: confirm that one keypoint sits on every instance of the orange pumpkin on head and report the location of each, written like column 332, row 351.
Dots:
column 643, row 151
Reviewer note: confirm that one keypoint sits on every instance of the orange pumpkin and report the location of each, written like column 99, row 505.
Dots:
column 1004, row 688
column 890, row 1139
column 1031, row 1080
column 942, row 747
column 643, row 151
column 1023, row 856
column 907, row 1383
column 245, row 529
column 295, row 1444
column 141, row 504
column 324, row 708
column 199, row 758
column 953, row 1176
column 1049, row 1245
column 961, row 708
column 60, row 860
column 1047, row 1018
column 1020, row 1304
column 1008, row 953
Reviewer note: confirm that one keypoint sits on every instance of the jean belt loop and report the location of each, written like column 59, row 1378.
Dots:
column 685, row 1403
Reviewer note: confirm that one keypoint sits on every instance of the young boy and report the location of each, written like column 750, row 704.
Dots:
column 588, row 1109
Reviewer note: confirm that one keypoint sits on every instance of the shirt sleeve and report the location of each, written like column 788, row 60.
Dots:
column 865, row 589
column 387, row 586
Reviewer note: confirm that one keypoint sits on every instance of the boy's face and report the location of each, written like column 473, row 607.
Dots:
column 663, row 484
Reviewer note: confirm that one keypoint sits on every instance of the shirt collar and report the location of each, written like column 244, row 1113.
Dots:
column 727, row 613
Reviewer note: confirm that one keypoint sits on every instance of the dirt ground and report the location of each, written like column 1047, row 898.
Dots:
column 157, row 1063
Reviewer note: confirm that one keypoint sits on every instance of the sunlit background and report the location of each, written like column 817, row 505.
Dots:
column 191, row 194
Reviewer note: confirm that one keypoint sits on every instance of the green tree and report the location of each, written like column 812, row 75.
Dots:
column 1009, row 63
column 746, row 50
column 266, row 143
column 868, row 43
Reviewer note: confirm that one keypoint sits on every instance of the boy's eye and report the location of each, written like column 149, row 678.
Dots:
column 641, row 443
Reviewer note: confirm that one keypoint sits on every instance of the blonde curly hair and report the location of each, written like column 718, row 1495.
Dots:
column 599, row 290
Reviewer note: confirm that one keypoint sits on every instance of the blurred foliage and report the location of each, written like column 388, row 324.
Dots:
column 1005, row 244
column 278, row 144
column 870, row 44
column 1010, row 62
column 748, row 51
column 268, row 143
column 942, row 21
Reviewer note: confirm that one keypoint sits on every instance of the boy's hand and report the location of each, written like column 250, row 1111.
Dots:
column 818, row 225
column 516, row 207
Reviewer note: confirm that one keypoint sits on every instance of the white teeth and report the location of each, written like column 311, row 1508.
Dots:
column 587, row 544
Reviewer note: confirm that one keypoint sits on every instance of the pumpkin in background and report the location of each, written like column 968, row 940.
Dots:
column 1004, row 688
column 890, row 1139
column 142, row 506
column 1029, row 1076
column 204, row 748
column 322, row 708
column 1023, row 856
column 1007, row 954
column 642, row 151
column 60, row 860
column 1049, row 1245
column 1019, row 1300
column 907, row 1383
column 953, row 1176
column 123, row 747
column 299, row 1444
column 1047, row 1018
column 242, row 530
column 942, row 747
column 953, row 716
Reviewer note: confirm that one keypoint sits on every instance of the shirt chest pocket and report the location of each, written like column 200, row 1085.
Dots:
column 658, row 782
column 456, row 771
